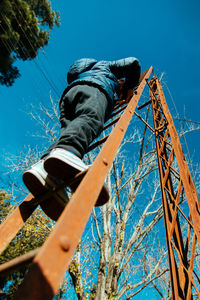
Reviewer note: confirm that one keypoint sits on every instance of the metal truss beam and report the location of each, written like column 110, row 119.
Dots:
column 179, row 198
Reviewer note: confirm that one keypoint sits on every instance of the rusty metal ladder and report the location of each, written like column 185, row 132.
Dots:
column 50, row 262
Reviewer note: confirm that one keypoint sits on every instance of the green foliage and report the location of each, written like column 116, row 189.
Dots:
column 24, row 28
column 30, row 237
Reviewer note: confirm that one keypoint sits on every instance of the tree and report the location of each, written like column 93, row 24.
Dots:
column 23, row 31
column 122, row 252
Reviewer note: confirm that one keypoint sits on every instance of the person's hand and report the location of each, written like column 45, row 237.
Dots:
column 125, row 93
column 129, row 95
column 121, row 95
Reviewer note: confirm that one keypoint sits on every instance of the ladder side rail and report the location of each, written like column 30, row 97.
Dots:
column 14, row 222
column 54, row 257
column 18, row 262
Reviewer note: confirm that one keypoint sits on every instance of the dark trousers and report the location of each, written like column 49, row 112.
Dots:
column 83, row 111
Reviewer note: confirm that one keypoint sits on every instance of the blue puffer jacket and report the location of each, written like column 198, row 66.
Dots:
column 105, row 74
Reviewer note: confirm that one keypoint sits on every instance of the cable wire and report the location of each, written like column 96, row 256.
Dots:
column 23, row 47
column 48, row 79
column 31, row 31
column 11, row 49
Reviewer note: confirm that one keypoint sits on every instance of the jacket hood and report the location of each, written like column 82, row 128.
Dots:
column 80, row 66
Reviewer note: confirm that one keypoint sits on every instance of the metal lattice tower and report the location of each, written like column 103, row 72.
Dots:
column 182, row 230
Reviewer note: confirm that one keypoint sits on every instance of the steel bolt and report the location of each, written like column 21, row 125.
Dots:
column 122, row 129
column 105, row 162
column 64, row 243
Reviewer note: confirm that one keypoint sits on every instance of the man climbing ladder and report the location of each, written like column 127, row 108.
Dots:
column 85, row 105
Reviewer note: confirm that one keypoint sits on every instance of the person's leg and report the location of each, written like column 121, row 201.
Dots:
column 83, row 113
column 88, row 108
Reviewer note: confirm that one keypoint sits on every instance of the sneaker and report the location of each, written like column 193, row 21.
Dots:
column 63, row 164
column 39, row 182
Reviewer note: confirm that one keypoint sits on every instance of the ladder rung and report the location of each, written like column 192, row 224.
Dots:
column 18, row 262
column 143, row 105
column 111, row 123
column 119, row 105
column 144, row 121
column 118, row 111
column 98, row 143
column 10, row 227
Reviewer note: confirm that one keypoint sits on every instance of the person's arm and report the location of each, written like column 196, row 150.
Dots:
column 125, row 94
column 128, row 69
